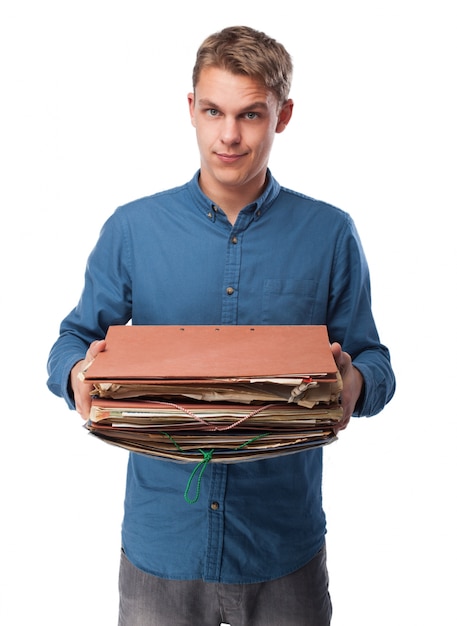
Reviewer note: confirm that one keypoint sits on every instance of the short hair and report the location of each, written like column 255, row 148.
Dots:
column 243, row 50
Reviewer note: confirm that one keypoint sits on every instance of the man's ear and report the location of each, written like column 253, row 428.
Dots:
column 191, row 103
column 284, row 115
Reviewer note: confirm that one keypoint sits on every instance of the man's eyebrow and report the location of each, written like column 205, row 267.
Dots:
column 203, row 102
column 255, row 105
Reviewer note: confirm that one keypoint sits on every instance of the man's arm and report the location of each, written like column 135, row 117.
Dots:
column 105, row 301
column 363, row 360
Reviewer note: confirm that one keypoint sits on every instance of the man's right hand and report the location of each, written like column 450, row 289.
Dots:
column 81, row 390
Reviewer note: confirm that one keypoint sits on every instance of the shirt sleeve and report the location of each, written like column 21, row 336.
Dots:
column 105, row 300
column 351, row 323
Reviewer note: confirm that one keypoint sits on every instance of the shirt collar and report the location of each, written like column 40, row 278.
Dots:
column 257, row 208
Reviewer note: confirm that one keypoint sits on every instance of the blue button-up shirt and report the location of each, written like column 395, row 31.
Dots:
column 174, row 258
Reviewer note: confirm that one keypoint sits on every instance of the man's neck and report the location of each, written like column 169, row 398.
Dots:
column 232, row 199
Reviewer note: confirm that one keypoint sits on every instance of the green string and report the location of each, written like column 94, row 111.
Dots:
column 246, row 443
column 175, row 443
column 207, row 456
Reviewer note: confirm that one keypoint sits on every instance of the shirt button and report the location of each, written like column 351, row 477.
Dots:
column 215, row 506
column 230, row 291
column 234, row 240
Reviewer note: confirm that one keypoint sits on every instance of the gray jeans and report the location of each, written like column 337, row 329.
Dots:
column 299, row 599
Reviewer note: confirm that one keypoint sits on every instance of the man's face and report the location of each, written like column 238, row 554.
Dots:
column 236, row 119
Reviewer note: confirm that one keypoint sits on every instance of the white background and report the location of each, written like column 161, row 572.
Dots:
column 94, row 114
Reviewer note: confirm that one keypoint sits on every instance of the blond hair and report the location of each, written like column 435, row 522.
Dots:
column 243, row 50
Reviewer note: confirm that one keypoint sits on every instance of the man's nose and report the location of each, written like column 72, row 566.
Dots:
column 230, row 132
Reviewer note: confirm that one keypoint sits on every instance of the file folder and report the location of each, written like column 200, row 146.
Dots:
column 233, row 393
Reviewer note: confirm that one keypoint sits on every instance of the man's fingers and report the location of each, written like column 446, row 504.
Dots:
column 95, row 348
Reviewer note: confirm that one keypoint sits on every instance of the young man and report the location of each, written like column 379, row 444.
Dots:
column 229, row 247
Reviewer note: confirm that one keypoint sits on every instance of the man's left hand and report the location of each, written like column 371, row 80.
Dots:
column 352, row 384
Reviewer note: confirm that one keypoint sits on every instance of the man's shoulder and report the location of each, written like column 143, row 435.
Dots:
column 157, row 199
column 301, row 201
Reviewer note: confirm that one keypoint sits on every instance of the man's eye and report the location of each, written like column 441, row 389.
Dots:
column 252, row 116
column 212, row 112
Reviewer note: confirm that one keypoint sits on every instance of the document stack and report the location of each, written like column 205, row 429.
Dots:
column 218, row 393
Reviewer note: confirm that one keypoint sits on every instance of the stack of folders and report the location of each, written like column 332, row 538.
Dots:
column 229, row 393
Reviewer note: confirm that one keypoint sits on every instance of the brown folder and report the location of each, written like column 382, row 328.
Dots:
column 140, row 353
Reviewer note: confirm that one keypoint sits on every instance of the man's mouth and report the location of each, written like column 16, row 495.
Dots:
column 228, row 158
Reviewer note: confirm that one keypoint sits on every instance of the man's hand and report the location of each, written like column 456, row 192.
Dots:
column 352, row 384
column 81, row 390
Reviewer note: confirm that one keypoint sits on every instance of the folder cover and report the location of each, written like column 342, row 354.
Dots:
column 167, row 352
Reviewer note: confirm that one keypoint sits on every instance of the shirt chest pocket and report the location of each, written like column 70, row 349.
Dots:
column 289, row 301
